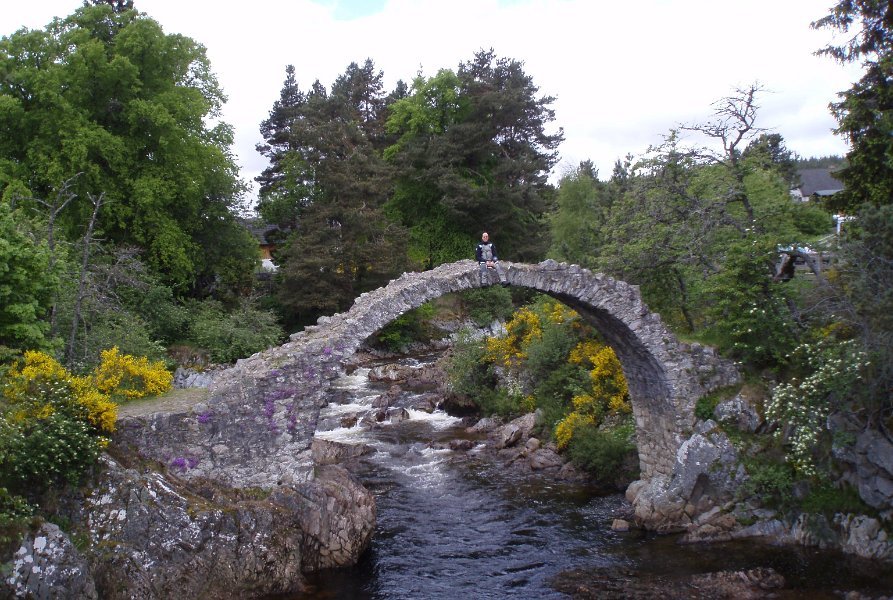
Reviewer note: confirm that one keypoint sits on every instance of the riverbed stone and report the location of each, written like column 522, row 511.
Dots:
column 330, row 452
column 461, row 445
column 507, row 436
column 544, row 459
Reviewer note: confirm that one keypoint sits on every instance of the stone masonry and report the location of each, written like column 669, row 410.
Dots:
column 257, row 425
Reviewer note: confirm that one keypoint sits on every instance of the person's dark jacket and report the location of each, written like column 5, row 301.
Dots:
column 479, row 251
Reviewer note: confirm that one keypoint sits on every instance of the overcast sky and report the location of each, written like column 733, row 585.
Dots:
column 623, row 73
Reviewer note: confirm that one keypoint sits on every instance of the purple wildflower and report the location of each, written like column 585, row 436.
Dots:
column 292, row 417
column 205, row 417
column 280, row 394
column 179, row 463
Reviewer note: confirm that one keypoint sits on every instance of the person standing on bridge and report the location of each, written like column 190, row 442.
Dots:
column 487, row 259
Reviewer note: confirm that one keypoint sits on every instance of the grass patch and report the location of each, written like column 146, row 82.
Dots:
column 827, row 500
column 175, row 399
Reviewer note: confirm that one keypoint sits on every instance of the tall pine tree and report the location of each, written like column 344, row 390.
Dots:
column 342, row 244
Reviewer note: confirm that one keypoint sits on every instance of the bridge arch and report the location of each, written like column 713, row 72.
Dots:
column 665, row 376
column 257, row 425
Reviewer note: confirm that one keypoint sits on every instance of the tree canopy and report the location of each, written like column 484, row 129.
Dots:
column 473, row 153
column 105, row 93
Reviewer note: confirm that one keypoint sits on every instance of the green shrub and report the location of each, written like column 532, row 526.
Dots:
column 469, row 374
column 165, row 317
column 705, row 405
column 549, row 351
column 810, row 219
column 771, row 481
column 827, row 500
column 499, row 402
column 609, row 454
column 55, row 450
column 15, row 515
column 122, row 329
column 750, row 317
column 553, row 394
column 411, row 326
column 830, row 371
column 233, row 335
column 485, row 305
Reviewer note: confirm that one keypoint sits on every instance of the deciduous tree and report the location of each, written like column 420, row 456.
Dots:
column 106, row 93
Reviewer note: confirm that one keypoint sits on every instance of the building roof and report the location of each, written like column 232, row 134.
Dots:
column 818, row 181
column 258, row 228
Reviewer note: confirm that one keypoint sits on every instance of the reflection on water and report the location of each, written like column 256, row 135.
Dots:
column 453, row 526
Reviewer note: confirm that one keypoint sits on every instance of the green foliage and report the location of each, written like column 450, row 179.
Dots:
column 15, row 514
column 121, row 328
column 810, row 219
column 749, row 316
column 472, row 154
column 55, row 450
column 108, row 95
column 828, row 373
column 14, row 510
column 27, row 285
column 705, row 406
column 165, row 318
column 550, row 351
column 609, row 454
column 467, row 370
column 582, row 206
column 488, row 304
column 50, row 428
column 411, row 326
column 345, row 244
column 769, row 152
column 828, row 500
column 499, row 402
column 865, row 112
column 770, row 480
column 236, row 334
column 554, row 393
column 866, row 283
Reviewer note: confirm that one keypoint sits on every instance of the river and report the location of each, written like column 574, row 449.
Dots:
column 456, row 525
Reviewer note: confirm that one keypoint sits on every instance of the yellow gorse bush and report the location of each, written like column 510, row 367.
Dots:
column 32, row 386
column 525, row 327
column 521, row 329
column 609, row 393
column 37, row 385
column 565, row 428
column 130, row 376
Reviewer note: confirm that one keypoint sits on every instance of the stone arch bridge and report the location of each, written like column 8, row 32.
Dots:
column 256, row 426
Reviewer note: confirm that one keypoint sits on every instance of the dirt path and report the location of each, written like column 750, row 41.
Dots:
column 179, row 400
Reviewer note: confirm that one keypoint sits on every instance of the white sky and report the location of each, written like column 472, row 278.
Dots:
column 623, row 73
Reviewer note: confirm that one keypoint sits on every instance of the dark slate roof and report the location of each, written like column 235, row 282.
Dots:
column 818, row 181
column 258, row 228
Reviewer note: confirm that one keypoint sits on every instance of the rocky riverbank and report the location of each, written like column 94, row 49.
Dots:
column 711, row 507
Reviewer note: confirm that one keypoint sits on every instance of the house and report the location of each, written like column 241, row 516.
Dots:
column 816, row 184
column 263, row 232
